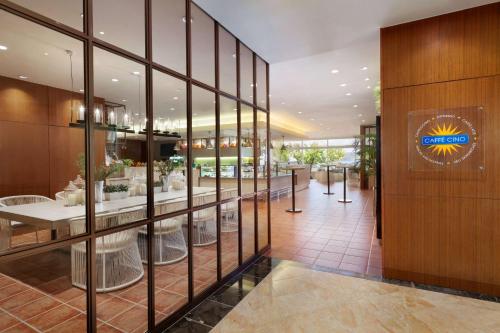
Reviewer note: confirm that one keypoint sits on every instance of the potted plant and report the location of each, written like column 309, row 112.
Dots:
column 164, row 168
column 114, row 192
column 157, row 186
column 127, row 164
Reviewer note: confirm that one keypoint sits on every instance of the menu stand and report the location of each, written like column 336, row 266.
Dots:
column 344, row 200
column 328, row 181
column 294, row 182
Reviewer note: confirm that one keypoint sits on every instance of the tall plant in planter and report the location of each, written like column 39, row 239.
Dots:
column 367, row 155
column 164, row 168
column 313, row 156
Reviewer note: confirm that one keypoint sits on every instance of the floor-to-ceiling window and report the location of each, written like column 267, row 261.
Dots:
column 134, row 174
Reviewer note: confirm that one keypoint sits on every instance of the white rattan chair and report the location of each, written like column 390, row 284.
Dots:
column 229, row 212
column 169, row 244
column 204, row 221
column 8, row 228
column 118, row 261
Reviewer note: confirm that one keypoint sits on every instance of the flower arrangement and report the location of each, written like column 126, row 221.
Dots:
column 164, row 167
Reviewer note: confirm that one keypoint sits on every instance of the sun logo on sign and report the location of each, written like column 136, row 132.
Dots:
column 444, row 149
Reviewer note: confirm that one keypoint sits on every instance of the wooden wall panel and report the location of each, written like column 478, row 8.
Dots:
column 24, row 164
column 441, row 228
column 455, row 46
column 23, row 101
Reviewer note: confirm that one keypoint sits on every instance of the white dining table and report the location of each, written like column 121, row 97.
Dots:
column 51, row 214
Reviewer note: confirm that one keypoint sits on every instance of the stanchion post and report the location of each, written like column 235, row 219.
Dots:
column 294, row 181
column 328, row 181
column 345, row 200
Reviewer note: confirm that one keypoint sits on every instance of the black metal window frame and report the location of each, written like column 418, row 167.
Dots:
column 89, row 42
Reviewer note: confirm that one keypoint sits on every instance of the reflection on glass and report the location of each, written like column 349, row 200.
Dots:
column 170, row 143
column 120, row 140
column 205, row 248
column 41, row 290
column 261, row 83
column 204, row 141
column 169, row 33
column 229, row 236
column 171, row 266
column 40, row 79
column 203, row 46
column 69, row 12
column 246, row 73
column 247, row 150
column 120, row 269
column 227, row 62
column 121, row 23
column 248, row 226
column 262, row 210
column 228, row 144
column 262, row 150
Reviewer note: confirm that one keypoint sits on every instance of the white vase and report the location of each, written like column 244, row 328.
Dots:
column 99, row 191
column 165, row 182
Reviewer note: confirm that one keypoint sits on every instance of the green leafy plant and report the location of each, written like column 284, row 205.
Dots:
column 164, row 167
column 115, row 188
column 157, row 184
column 104, row 171
column 334, row 155
column 298, row 155
column 313, row 156
column 127, row 162
column 366, row 155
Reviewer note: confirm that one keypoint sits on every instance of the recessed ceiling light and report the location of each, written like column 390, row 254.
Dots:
column 22, row 77
column 355, row 106
column 81, row 90
column 175, row 98
column 343, row 84
column 362, row 120
column 195, row 114
column 235, row 109
column 282, row 103
column 115, row 80
column 81, row 15
column 234, row 55
column 136, row 73
column 172, row 109
column 137, row 114
column 124, row 100
column 45, row 53
column 360, row 115
column 364, row 68
column 334, row 71
column 3, row 47
column 300, row 112
column 348, row 94
column 101, row 32
column 367, row 79
column 184, row 19
column 368, row 87
column 312, row 119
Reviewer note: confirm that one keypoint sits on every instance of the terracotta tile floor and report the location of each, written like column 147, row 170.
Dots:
column 327, row 233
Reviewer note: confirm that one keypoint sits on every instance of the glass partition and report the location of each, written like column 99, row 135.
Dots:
column 203, row 145
column 120, row 145
column 246, row 73
column 169, row 33
column 92, row 117
column 42, row 116
column 121, row 23
column 247, row 150
column 203, row 44
column 170, row 143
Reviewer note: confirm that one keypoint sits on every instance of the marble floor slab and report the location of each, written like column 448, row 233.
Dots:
column 298, row 299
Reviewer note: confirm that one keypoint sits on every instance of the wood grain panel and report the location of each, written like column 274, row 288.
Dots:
column 399, row 102
column 23, row 101
column 24, row 167
column 60, row 106
column 449, row 47
column 442, row 228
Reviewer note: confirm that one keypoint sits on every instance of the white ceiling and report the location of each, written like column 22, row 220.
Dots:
column 305, row 40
